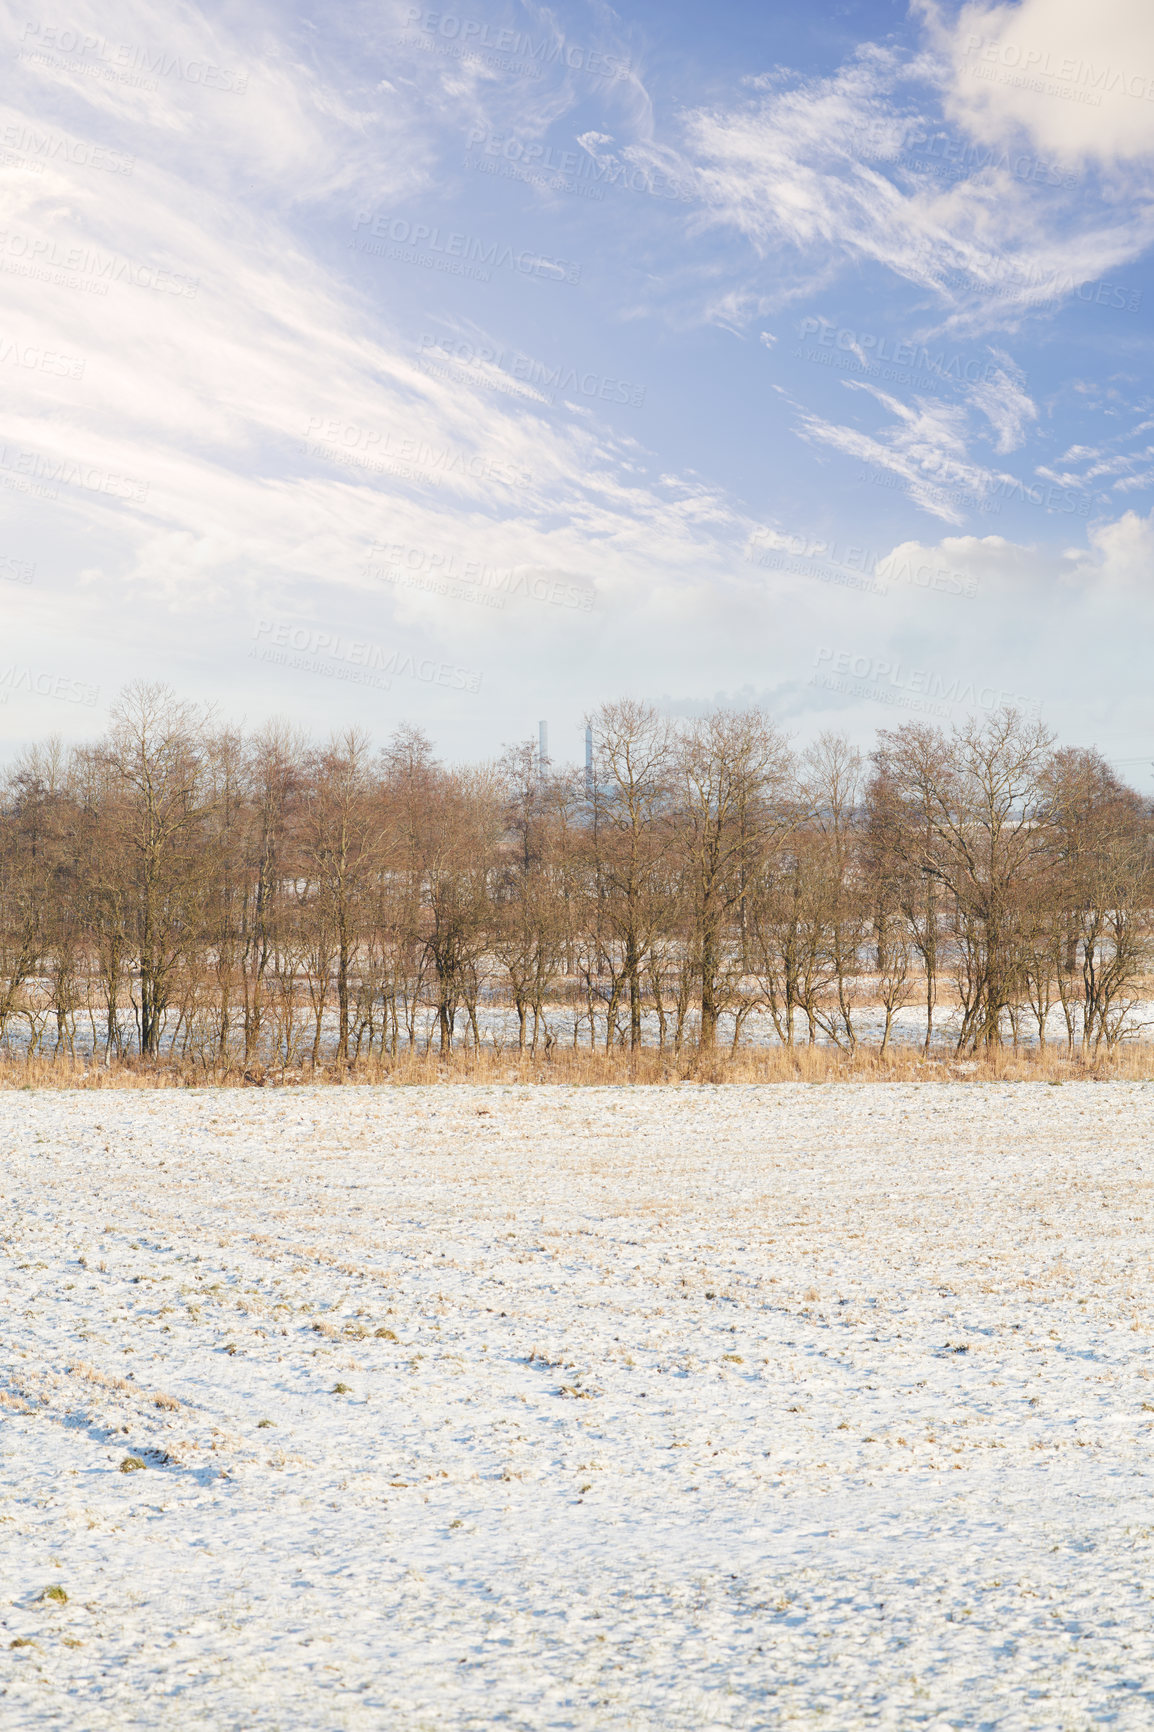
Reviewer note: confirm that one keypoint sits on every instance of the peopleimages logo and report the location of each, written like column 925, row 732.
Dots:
column 123, row 61
column 89, row 476
column 479, row 36
column 465, row 255
column 947, row 482
column 25, row 141
column 39, row 360
column 380, row 450
column 16, row 570
column 888, row 681
column 1007, row 279
column 1082, row 79
column 21, row 678
column 542, row 380
column 853, row 566
column 354, row 659
column 572, row 165
column 775, row 559
column 27, row 254
column 459, row 575
column 956, row 158
column 870, row 348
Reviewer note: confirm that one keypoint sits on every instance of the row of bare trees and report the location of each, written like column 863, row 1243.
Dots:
column 182, row 888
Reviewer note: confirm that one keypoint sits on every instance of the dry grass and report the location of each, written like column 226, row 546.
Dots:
column 1132, row 1063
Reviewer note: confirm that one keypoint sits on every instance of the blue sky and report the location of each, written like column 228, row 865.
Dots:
column 471, row 367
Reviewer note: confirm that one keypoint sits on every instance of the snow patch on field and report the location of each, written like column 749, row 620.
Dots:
column 656, row 1408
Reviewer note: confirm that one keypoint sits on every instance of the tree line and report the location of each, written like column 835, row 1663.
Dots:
column 181, row 887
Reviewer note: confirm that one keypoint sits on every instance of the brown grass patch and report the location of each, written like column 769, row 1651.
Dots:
column 1133, row 1062
column 102, row 1380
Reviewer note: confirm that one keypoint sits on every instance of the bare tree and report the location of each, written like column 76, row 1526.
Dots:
column 733, row 806
column 274, row 777
column 1100, row 838
column 980, row 828
column 228, row 889
column 831, row 780
column 155, row 800
column 340, row 840
column 895, row 892
column 530, row 929
column 630, row 836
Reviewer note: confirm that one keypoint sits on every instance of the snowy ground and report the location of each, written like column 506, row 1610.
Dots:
column 665, row 1408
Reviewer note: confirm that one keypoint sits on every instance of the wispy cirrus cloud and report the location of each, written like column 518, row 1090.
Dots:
column 823, row 175
column 928, row 443
column 263, row 418
column 247, row 397
column 924, row 445
column 1003, row 400
column 1121, row 462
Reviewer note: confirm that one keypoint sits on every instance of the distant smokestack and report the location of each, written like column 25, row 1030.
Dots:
column 588, row 763
column 542, row 746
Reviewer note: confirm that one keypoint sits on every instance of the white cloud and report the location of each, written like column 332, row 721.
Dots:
column 1078, row 78
column 209, row 400
column 1114, row 565
column 825, row 172
column 1120, row 558
column 1005, row 403
column 926, row 443
column 995, row 566
column 1068, row 628
column 1119, row 461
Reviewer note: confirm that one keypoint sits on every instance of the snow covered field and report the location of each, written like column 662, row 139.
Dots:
column 656, row 1408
